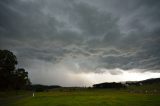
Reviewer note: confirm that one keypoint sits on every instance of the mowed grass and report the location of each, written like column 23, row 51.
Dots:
column 85, row 97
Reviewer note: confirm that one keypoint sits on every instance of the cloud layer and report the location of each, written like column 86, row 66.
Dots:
column 85, row 36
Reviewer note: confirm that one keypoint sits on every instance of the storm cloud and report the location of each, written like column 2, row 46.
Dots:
column 56, row 38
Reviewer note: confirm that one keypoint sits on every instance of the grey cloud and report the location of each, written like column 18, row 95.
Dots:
column 92, row 21
column 114, row 72
column 94, row 34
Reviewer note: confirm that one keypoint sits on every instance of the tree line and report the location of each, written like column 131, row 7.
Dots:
column 109, row 85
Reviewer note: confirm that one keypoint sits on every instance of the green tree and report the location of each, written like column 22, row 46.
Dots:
column 21, row 79
column 10, row 77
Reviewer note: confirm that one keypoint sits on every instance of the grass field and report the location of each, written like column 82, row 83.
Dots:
column 132, row 96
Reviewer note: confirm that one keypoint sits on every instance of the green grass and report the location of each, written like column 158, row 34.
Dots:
column 84, row 97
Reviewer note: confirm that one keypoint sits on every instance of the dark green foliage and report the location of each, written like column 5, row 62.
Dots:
column 7, row 68
column 10, row 77
column 20, row 79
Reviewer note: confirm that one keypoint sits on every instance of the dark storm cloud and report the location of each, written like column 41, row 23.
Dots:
column 91, row 21
column 93, row 34
column 139, row 37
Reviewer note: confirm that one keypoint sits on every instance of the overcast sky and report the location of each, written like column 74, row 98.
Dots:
column 82, row 42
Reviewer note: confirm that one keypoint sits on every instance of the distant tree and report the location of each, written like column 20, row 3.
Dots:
column 109, row 85
column 10, row 77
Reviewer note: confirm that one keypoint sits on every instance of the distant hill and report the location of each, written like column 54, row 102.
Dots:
column 147, row 81
column 151, row 81
column 126, row 84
